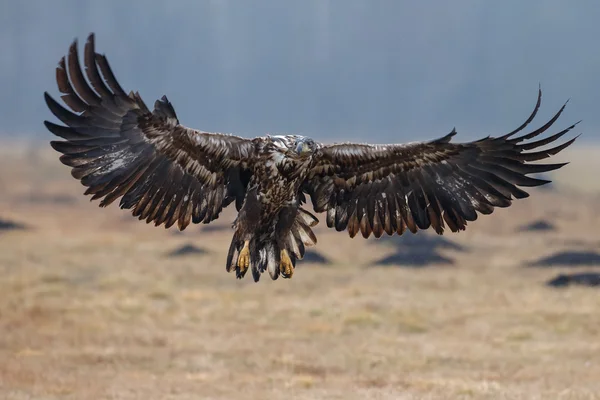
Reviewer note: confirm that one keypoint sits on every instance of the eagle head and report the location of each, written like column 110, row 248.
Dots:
column 304, row 146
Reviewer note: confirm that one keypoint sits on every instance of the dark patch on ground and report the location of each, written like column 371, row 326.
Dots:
column 568, row 258
column 215, row 228
column 583, row 279
column 415, row 259
column 420, row 240
column 6, row 225
column 315, row 257
column 537, row 226
column 185, row 250
column 418, row 250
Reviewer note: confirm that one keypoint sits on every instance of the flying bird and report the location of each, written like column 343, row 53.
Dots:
column 167, row 173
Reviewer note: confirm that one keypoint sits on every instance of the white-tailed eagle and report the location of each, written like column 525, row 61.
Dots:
column 170, row 174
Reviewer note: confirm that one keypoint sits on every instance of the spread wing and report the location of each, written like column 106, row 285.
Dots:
column 118, row 148
column 389, row 188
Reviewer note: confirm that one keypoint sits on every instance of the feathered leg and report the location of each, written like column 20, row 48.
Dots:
column 243, row 261
column 238, row 258
column 286, row 265
column 242, row 252
column 275, row 254
column 287, row 217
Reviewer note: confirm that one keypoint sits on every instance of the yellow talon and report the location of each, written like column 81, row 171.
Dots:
column 244, row 259
column 285, row 264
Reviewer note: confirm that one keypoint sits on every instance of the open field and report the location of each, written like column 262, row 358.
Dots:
column 92, row 306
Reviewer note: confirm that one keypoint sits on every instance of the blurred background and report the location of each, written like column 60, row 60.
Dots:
column 95, row 304
column 336, row 70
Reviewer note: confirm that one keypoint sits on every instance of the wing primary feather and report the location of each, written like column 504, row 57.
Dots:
column 543, row 142
column 77, row 79
column 521, row 167
column 65, row 132
column 535, row 156
column 64, row 86
column 531, row 117
column 109, row 77
column 540, row 130
column 91, row 69
column 506, row 188
column 66, row 116
column 508, row 175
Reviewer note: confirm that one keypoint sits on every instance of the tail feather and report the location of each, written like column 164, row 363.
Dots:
column 297, row 242
column 272, row 258
column 306, row 235
column 258, row 262
column 233, row 254
column 301, row 234
column 232, row 257
column 307, row 217
column 265, row 256
column 292, row 245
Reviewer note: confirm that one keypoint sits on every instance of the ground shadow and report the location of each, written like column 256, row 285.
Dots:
column 568, row 258
column 421, row 240
column 414, row 259
column 215, row 228
column 7, row 225
column 186, row 250
column 537, row 226
column 314, row 257
column 417, row 250
column 202, row 229
column 582, row 279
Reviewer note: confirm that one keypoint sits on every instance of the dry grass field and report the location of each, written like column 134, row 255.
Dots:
column 93, row 307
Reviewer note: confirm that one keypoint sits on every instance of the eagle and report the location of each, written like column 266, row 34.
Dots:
column 167, row 173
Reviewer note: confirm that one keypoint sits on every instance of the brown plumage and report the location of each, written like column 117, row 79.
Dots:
column 389, row 188
column 169, row 174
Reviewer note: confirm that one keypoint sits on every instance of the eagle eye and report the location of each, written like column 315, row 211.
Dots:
column 303, row 147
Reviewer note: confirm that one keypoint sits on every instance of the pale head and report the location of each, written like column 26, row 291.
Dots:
column 295, row 144
column 304, row 146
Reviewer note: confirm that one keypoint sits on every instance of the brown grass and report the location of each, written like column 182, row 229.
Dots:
column 91, row 308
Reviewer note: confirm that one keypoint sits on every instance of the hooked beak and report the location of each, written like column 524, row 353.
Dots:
column 302, row 148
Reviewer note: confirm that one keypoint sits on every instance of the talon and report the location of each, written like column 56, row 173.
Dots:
column 285, row 264
column 244, row 259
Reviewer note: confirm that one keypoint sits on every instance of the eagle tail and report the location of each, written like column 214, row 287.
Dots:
column 301, row 234
column 298, row 239
column 266, row 255
column 263, row 256
column 234, row 253
column 269, row 257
